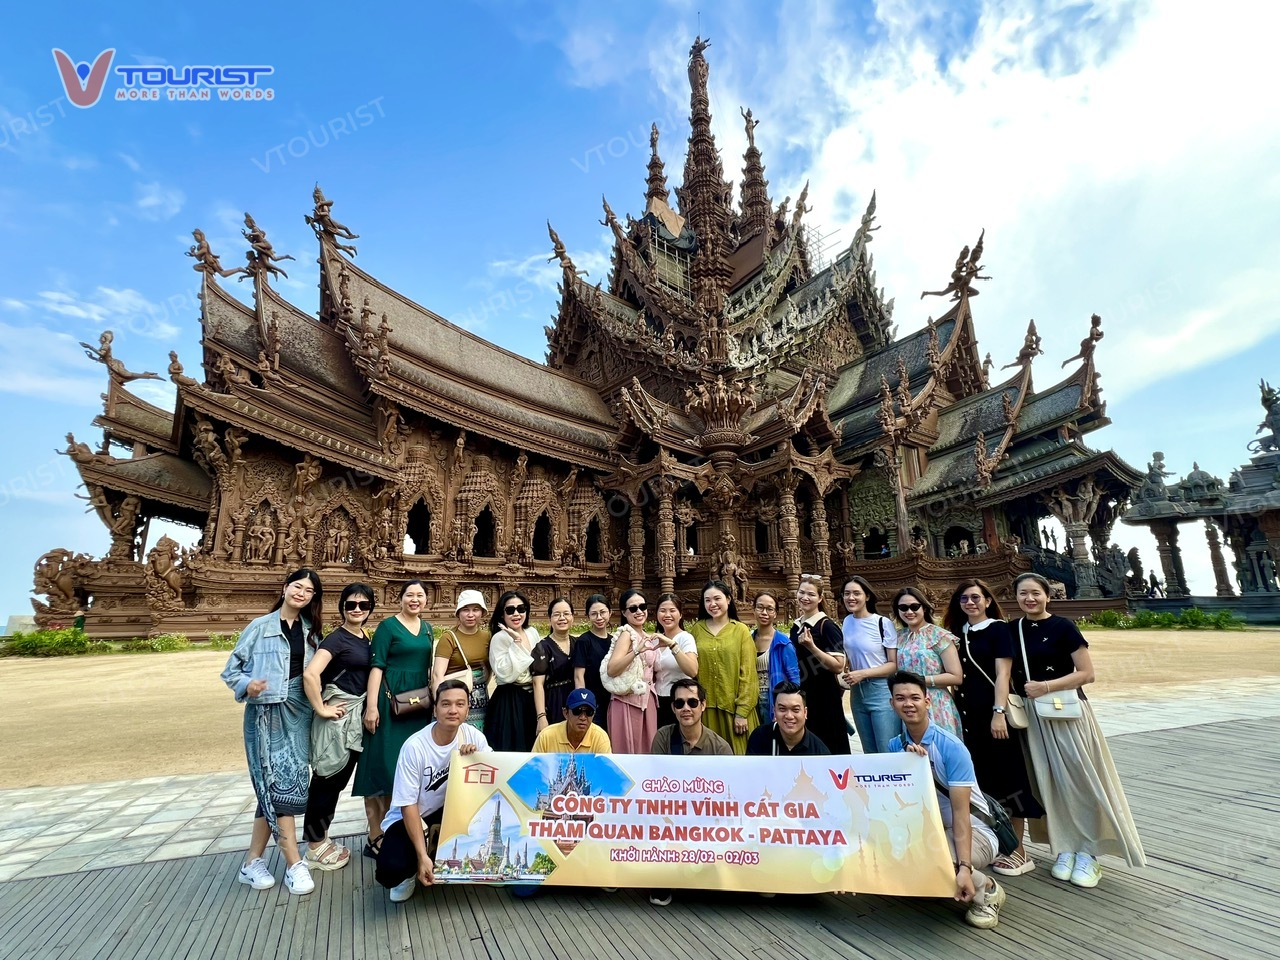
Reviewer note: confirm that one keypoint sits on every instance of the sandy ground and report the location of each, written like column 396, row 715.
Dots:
column 89, row 719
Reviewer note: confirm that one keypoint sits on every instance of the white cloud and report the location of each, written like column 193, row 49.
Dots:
column 154, row 201
column 119, row 309
column 46, row 365
column 130, row 162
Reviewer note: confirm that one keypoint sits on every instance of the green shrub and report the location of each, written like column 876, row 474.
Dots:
column 1192, row 618
column 164, row 643
column 49, row 643
column 223, row 641
column 1107, row 619
column 1225, row 620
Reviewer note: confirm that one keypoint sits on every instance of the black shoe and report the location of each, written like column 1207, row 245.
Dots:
column 660, row 898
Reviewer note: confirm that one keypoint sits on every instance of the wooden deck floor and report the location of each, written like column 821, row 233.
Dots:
column 1207, row 801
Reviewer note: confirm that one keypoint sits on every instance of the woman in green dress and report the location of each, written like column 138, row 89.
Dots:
column 726, row 667
column 400, row 661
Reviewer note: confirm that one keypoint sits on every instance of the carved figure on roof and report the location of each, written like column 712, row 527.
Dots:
column 262, row 257
column 751, row 128
column 207, row 261
column 306, row 473
column 82, row 453
column 124, row 528
column 612, row 223
column 273, row 339
column 1153, row 487
column 322, row 222
column 232, row 373
column 1270, row 400
column 1089, row 343
column 1030, row 348
column 175, row 372
column 560, row 253
column 966, row 271
column 801, row 208
column 266, row 370
column 987, row 365
column 115, row 368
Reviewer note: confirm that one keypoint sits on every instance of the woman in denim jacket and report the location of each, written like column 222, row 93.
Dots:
column 265, row 673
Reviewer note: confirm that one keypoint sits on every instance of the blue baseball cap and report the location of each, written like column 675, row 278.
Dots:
column 580, row 697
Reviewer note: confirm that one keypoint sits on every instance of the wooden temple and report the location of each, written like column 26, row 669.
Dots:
column 721, row 405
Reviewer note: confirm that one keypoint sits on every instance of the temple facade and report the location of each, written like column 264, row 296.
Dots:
column 721, row 405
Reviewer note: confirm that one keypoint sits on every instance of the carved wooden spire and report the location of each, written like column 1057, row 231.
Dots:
column 755, row 188
column 657, row 173
column 704, row 196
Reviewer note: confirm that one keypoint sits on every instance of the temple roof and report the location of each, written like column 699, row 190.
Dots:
column 130, row 418
column 1043, row 464
column 447, row 372
column 158, row 476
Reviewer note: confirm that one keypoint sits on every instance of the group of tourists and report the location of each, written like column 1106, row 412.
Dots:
column 999, row 709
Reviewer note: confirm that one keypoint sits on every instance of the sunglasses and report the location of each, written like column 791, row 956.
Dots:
column 908, row 607
column 682, row 703
column 583, row 712
column 810, row 576
column 357, row 605
column 637, row 608
column 514, row 609
column 972, row 598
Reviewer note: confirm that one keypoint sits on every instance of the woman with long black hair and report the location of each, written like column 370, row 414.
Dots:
column 265, row 673
column 510, row 722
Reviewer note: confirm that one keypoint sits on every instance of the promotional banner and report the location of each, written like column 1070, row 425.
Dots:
column 866, row 824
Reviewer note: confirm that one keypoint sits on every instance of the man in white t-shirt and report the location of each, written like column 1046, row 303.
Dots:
column 412, row 825
column 973, row 844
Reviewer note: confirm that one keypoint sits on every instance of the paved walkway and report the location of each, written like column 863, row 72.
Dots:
column 46, row 831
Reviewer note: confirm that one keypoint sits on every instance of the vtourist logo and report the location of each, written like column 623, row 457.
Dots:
column 82, row 81
column 85, row 82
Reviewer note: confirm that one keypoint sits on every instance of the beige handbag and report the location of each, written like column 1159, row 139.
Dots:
column 631, row 680
column 1063, row 705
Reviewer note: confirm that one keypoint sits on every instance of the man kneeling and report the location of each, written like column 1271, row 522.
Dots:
column 973, row 844
column 412, row 825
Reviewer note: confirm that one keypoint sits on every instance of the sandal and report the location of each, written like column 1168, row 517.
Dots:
column 1013, row 864
column 373, row 847
column 328, row 855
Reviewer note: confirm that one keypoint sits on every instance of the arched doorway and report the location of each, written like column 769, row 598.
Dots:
column 485, row 543
column 542, row 537
column 419, row 527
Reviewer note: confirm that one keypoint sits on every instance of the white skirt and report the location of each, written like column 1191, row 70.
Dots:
column 1085, row 806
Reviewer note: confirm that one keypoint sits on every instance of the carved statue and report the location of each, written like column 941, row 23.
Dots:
column 967, row 270
column 164, row 576
column 1271, row 422
column 561, row 254
column 1089, row 343
column 266, row 370
column 59, row 575
column 262, row 258
column 751, row 123
column 230, row 372
column 115, row 368
column 175, row 372
column 1153, row 487
column 207, row 261
column 1030, row 348
column 82, row 453
column 260, row 539
column 322, row 222
column 338, row 545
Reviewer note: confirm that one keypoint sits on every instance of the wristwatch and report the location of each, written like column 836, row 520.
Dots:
column 997, row 709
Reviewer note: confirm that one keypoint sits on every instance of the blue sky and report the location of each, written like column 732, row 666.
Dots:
column 1120, row 159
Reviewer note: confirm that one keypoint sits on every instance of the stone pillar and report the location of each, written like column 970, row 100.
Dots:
column 635, row 546
column 1082, row 562
column 666, row 535
column 1166, row 534
column 1221, row 579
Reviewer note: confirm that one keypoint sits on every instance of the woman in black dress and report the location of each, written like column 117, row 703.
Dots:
column 819, row 645
column 589, row 651
column 552, row 668
column 986, row 656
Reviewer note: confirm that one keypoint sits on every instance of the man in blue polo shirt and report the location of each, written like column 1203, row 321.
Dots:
column 973, row 844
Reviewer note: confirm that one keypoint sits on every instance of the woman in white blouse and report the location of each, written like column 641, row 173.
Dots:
column 677, row 656
column 509, row 722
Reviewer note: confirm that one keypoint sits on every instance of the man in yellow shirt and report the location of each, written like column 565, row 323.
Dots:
column 577, row 733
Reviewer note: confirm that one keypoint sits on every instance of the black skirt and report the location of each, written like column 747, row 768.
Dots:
column 509, row 721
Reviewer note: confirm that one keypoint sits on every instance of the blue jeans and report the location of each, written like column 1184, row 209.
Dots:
column 873, row 715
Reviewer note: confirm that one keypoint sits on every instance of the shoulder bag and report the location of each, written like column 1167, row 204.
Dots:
column 997, row 818
column 466, row 675
column 1015, row 711
column 1063, row 705
column 417, row 700
column 631, row 680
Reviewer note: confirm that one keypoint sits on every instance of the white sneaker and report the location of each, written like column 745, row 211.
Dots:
column 403, row 891
column 1087, row 871
column 986, row 915
column 256, row 875
column 297, row 879
column 1063, row 866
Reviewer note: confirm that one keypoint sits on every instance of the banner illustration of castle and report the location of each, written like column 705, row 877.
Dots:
column 867, row 824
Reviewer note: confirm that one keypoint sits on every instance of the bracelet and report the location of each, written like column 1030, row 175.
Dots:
column 929, row 680
column 541, row 716
column 964, row 863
